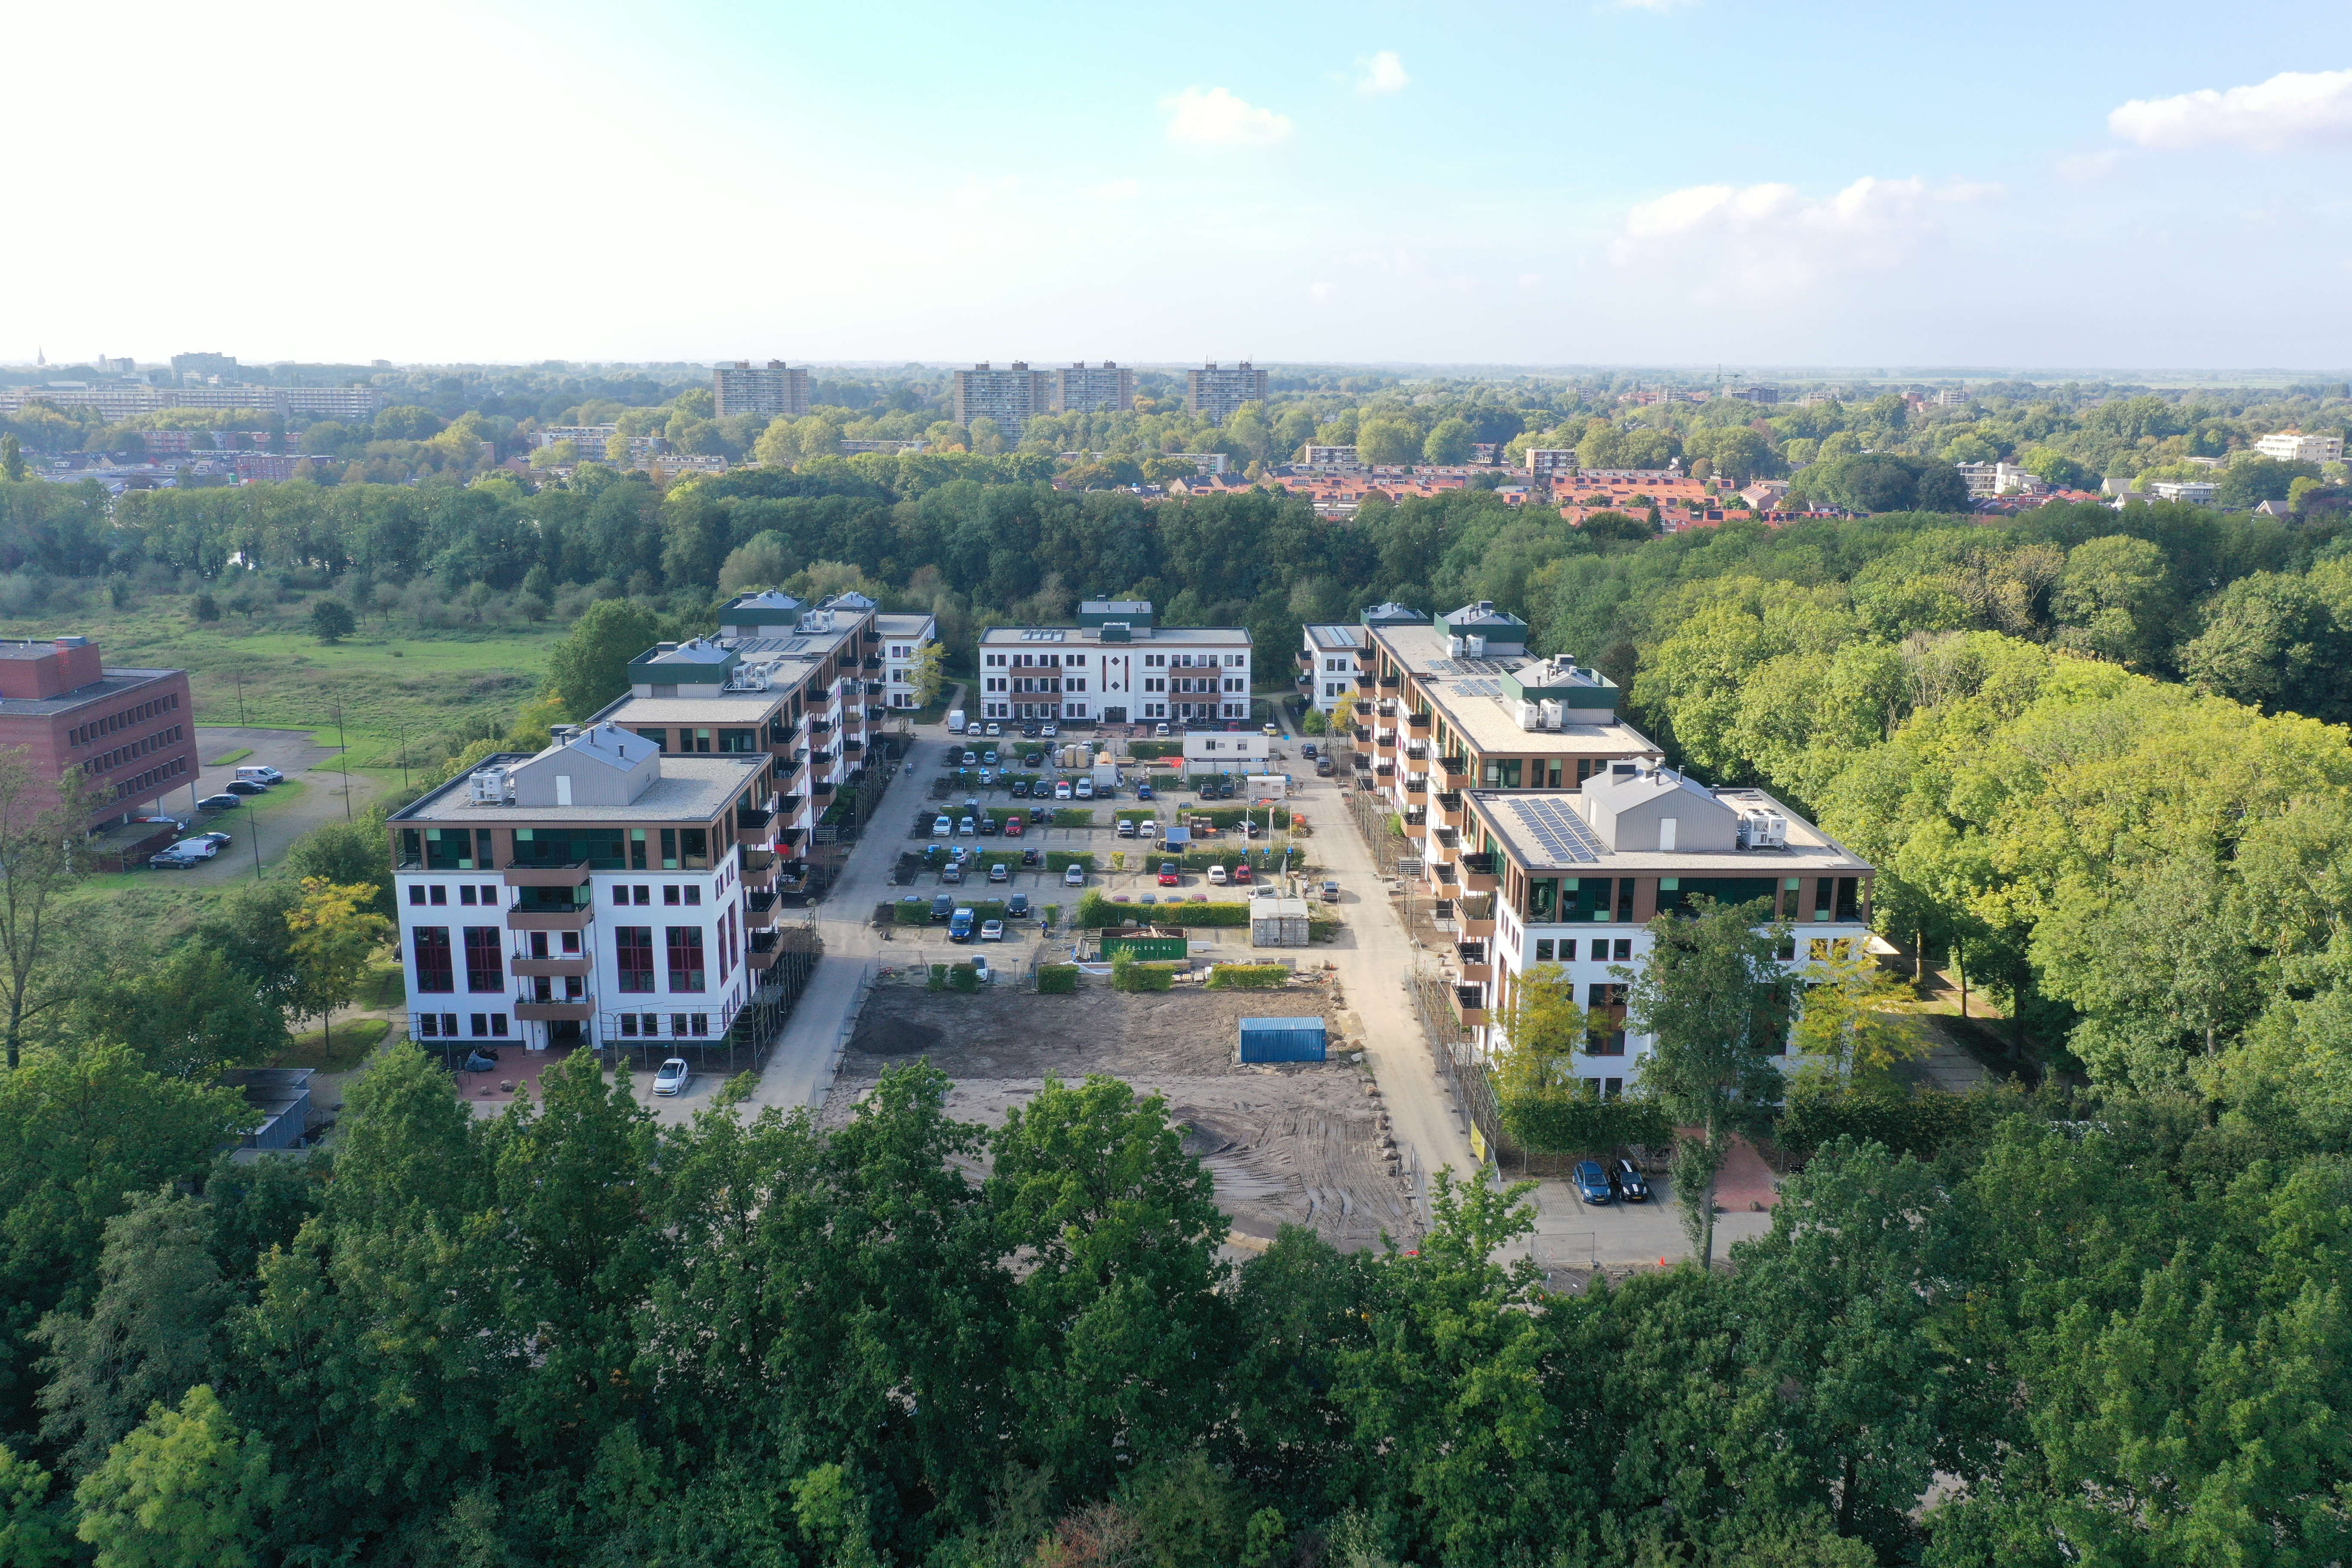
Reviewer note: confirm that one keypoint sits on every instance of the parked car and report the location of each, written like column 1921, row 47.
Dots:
column 1232, row 726
column 1017, row 907
column 959, row 925
column 247, row 786
column 967, row 827
column 992, row 930
column 942, row 907
column 952, row 875
column 1217, row 876
column 219, row 803
column 1631, row 1184
column 1030, row 730
column 1030, row 857
column 1020, row 789
column 1330, row 891
column 1075, row 876
column 991, row 756
column 1085, row 789
column 1050, row 731
column 959, row 854
column 1061, row 789
column 1015, row 826
column 1126, row 827
column 1160, row 732
column 1307, row 750
column 988, row 825
column 1592, row 1182
column 996, row 729
column 257, row 774
column 673, row 1076
column 217, row 838
column 997, row 873
column 1322, row 767
column 1272, row 730
column 942, row 827
column 979, row 968
column 970, row 758
column 1171, row 873
column 1242, row 874
column 1143, row 792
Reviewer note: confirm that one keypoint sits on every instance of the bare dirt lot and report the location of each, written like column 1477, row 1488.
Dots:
column 1297, row 1143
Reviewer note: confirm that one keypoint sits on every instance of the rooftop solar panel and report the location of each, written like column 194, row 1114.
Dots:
column 1559, row 831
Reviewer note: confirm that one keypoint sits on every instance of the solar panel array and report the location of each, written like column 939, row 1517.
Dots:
column 1480, row 688
column 1470, row 665
column 1563, row 835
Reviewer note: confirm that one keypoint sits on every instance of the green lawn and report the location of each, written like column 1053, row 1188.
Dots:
column 272, row 673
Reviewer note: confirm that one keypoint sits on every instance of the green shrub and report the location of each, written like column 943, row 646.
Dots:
column 1128, row 975
column 1063, row 859
column 1224, row 913
column 1057, row 979
column 963, row 977
column 1569, row 1120
column 1248, row 976
column 1134, row 814
column 1917, row 1124
column 918, row 913
column 1070, row 819
column 938, row 979
column 1096, row 912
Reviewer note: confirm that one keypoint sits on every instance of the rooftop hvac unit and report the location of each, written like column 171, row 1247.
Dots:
column 1453, row 647
column 1555, row 712
column 1762, row 829
column 750, row 678
column 487, row 787
column 1531, row 715
column 1475, row 645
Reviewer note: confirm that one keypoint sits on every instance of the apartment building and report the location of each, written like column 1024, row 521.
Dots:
column 1103, row 389
column 1551, row 461
column 1571, row 877
column 1314, row 457
column 904, row 640
column 1457, row 703
column 1011, row 397
column 1216, row 391
column 2191, row 492
column 799, row 683
column 2295, row 447
column 774, row 389
column 132, row 730
column 1988, row 479
column 1116, row 666
column 121, row 400
column 604, row 891
column 589, row 439
column 1330, row 664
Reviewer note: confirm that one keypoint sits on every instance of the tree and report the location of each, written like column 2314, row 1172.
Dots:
column 187, row 1489
column 1713, row 998
column 188, row 1015
column 12, row 459
column 1313, row 722
column 332, row 620
column 334, row 933
column 1847, row 1024
column 206, row 608
column 929, row 672
column 1942, row 488
column 1448, row 443
column 1387, row 442
column 41, row 857
column 2251, row 480
column 591, row 665
column 152, row 1333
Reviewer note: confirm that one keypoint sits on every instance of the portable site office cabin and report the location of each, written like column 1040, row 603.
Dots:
column 1278, row 922
column 1283, row 1040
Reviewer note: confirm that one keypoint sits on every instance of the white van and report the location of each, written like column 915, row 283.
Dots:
column 956, row 722
column 265, row 778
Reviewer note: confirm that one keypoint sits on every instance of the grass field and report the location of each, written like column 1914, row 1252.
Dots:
column 272, row 673
column 353, row 1040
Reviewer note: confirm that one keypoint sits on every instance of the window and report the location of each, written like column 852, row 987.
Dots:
column 1568, row 951
column 440, row 895
column 485, row 958
column 1543, row 950
column 433, row 972
column 489, row 1026
column 436, row 1026
column 1608, row 1003
column 416, row 893
column 1624, row 948
column 634, row 947
column 685, row 958
column 659, row 737
column 620, row 893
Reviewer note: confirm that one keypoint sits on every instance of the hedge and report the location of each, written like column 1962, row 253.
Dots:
column 1057, row 979
column 1134, row 814
column 1069, row 819
column 1918, row 1123
column 1063, row 859
column 1128, row 975
column 1571, row 1122
column 1248, row 976
column 1150, row 749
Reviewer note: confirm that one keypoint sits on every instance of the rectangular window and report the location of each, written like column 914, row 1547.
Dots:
column 636, row 848
column 685, row 958
column 1543, row 950
column 634, row 948
column 670, row 895
column 620, row 893
column 465, row 893
column 1568, row 951
column 416, row 893
column 659, row 737
column 434, row 969
column 440, row 894
column 1624, row 950
column 485, row 958
column 428, row 1025
column 694, row 848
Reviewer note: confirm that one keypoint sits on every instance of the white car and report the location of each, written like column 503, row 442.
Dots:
column 941, row 827
column 1086, row 789
column 992, row 930
column 1050, row 731
column 189, row 852
column 996, row 729
column 1216, row 876
column 1061, row 789
column 1161, row 730
column 1076, row 877
column 673, row 1076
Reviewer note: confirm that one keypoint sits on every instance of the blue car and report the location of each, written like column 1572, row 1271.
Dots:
column 1592, row 1182
column 1143, row 792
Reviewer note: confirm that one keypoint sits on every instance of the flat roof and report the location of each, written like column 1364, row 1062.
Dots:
column 898, row 626
column 1546, row 830
column 1090, row 636
column 727, row 708
column 1335, row 637
column 1469, row 693
column 691, row 789
column 112, row 683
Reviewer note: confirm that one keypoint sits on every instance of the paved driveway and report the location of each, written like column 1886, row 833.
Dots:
column 277, row 818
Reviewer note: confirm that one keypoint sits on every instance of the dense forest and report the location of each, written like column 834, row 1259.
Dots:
column 2097, row 755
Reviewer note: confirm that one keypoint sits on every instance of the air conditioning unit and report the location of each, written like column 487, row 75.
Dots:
column 1453, row 647
column 1555, row 713
column 1762, row 829
column 487, row 787
column 1531, row 715
column 1476, row 647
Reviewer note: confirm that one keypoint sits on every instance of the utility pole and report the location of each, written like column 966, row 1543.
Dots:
column 239, row 675
column 344, row 747
column 404, row 761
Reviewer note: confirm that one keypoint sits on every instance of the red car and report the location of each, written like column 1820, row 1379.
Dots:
column 1240, row 873
column 1013, row 826
column 1170, row 874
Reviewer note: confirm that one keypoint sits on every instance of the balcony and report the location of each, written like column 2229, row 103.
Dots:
column 551, row 917
column 559, row 963
column 1444, row 872
column 873, row 634
column 572, row 875
column 1477, row 914
column 1416, row 823
column 1476, row 964
column 1384, row 771
column 787, row 805
column 751, row 830
column 1458, row 765
column 1363, row 737
column 762, row 875
column 820, row 790
column 1416, row 750
column 852, row 748
column 1419, row 722
column 1363, row 680
column 1363, row 709
column 1391, row 681
column 1416, row 783
column 578, row 1012
column 1449, row 807
column 1387, row 709
column 1469, row 1004
column 760, row 909
column 820, row 727
column 761, row 949
column 870, row 664
column 1447, row 840
column 1478, row 872
column 1385, row 740
column 1305, row 659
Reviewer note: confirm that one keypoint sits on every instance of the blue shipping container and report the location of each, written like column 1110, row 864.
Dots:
column 1282, row 1040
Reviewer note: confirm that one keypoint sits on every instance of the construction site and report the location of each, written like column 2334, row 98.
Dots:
column 1303, row 1143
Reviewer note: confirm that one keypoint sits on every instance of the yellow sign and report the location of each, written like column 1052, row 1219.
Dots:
column 1477, row 1143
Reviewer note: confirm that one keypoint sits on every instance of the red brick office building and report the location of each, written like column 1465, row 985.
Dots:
column 133, row 730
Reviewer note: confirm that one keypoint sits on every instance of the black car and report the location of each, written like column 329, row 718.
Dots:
column 219, row 803
column 1628, row 1182
column 1030, row 857
column 1020, row 789
column 942, row 907
column 989, row 824
column 1030, row 730
column 247, row 786
column 1017, row 907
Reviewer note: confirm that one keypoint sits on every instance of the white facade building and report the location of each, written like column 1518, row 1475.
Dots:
column 1330, row 664
column 904, row 638
column 1115, row 666
column 2295, row 447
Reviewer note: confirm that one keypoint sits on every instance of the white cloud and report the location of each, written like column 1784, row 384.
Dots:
column 1215, row 117
column 2293, row 108
column 2090, row 165
column 1114, row 191
column 1768, row 239
column 1659, row 6
column 1382, row 73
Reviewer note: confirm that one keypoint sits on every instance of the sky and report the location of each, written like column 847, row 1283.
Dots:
column 1686, row 183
